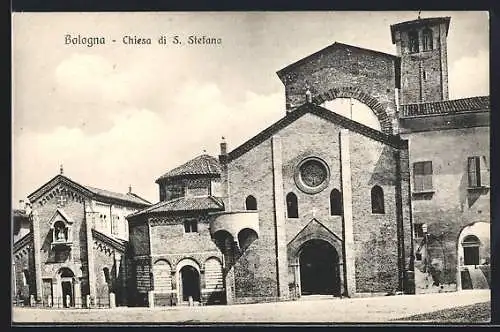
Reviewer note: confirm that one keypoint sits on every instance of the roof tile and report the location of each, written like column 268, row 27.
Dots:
column 201, row 165
column 472, row 104
column 183, row 204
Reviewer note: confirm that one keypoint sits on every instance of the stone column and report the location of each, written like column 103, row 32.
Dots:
column 78, row 294
column 349, row 254
column 112, row 300
column 151, row 298
column 279, row 217
column 56, row 293
column 37, row 247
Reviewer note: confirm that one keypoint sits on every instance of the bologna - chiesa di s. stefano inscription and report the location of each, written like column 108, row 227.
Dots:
column 317, row 203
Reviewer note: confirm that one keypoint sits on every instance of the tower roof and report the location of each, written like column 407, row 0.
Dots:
column 201, row 165
column 418, row 22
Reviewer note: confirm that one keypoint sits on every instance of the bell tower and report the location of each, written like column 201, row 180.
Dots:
column 422, row 46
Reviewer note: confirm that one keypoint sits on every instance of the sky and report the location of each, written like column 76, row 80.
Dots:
column 118, row 115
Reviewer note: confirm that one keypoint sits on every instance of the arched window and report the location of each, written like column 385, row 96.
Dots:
column 335, row 203
column 377, row 200
column 413, row 41
column 427, row 39
column 251, row 203
column 292, row 207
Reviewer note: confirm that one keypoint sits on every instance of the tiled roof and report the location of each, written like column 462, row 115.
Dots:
column 129, row 197
column 181, row 204
column 472, row 104
column 201, row 165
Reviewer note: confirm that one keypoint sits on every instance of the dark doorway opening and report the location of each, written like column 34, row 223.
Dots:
column 67, row 289
column 319, row 269
column 190, row 279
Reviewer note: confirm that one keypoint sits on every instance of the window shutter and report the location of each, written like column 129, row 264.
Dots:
column 471, row 168
column 485, row 171
column 427, row 175
column 418, row 181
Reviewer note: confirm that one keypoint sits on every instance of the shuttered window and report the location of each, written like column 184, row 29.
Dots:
column 422, row 176
column 474, row 172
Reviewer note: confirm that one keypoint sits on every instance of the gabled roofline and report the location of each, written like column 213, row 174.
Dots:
column 52, row 182
column 323, row 113
column 283, row 71
column 19, row 244
column 82, row 189
column 110, row 241
column 321, row 224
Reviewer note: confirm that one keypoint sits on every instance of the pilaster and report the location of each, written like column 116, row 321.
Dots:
column 349, row 254
column 279, row 217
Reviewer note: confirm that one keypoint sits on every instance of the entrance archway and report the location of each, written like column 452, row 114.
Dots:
column 190, row 283
column 66, row 277
column 319, row 268
column 473, row 256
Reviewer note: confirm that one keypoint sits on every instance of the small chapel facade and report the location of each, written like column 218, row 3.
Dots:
column 71, row 247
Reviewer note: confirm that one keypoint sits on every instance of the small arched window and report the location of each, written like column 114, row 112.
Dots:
column 413, row 41
column 335, row 203
column 377, row 200
column 292, row 207
column 251, row 203
column 427, row 39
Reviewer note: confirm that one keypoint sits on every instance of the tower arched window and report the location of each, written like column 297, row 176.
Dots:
column 427, row 34
column 251, row 203
column 377, row 195
column 335, row 203
column 292, row 207
column 413, row 41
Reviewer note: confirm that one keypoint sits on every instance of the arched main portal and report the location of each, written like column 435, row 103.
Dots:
column 190, row 283
column 66, row 277
column 319, row 268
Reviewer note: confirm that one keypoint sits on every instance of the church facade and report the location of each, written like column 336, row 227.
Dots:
column 390, row 197
column 70, row 249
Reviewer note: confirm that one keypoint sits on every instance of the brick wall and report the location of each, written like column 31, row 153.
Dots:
column 432, row 85
column 376, row 236
column 51, row 262
column 451, row 206
column 343, row 66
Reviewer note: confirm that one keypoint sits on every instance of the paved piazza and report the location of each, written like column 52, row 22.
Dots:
column 375, row 309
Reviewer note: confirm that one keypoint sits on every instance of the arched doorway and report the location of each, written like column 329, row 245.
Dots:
column 66, row 277
column 473, row 257
column 190, row 283
column 319, row 268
